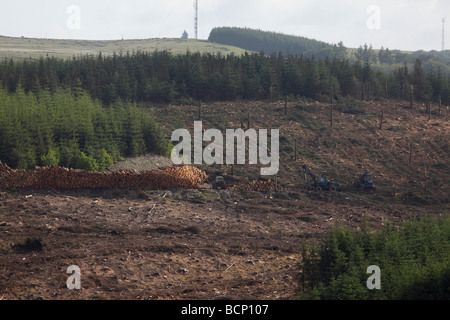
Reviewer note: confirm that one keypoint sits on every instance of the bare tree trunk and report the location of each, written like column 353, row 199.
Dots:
column 429, row 110
column 410, row 154
column 381, row 119
column 440, row 105
column 410, row 161
column 295, row 150
column 385, row 90
column 331, row 115
column 285, row 104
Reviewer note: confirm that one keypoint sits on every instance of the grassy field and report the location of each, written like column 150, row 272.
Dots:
column 30, row 48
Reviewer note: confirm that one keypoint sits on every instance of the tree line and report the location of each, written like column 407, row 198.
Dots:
column 269, row 42
column 82, row 112
column 274, row 42
column 163, row 77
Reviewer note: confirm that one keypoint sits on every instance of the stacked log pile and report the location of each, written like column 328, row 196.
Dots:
column 4, row 168
column 62, row 178
column 259, row 185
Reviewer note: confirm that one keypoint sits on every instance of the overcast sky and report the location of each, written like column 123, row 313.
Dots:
column 396, row 24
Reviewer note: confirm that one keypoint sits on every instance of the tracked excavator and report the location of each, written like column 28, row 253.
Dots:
column 317, row 185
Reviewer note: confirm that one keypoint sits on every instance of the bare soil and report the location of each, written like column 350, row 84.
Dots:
column 172, row 245
column 208, row 244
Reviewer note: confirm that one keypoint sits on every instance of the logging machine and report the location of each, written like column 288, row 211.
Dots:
column 365, row 182
column 317, row 184
column 219, row 183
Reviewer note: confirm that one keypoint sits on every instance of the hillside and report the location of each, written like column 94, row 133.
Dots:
column 194, row 242
column 224, row 40
column 353, row 145
column 386, row 59
column 225, row 244
column 31, row 48
column 269, row 42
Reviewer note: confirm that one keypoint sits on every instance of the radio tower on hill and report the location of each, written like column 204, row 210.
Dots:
column 443, row 34
column 196, row 19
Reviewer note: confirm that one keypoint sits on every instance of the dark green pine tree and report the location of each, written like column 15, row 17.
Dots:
column 312, row 79
column 420, row 82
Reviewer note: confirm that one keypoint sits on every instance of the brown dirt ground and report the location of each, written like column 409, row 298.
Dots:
column 210, row 244
column 164, row 245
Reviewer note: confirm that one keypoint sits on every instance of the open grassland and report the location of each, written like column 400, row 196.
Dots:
column 30, row 48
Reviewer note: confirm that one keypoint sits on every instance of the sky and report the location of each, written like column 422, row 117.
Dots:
column 395, row 24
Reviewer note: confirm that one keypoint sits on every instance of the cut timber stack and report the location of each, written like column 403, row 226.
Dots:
column 4, row 168
column 62, row 178
column 258, row 185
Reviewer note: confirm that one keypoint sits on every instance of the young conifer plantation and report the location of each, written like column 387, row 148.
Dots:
column 67, row 127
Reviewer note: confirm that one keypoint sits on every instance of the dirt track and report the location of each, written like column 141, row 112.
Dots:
column 163, row 245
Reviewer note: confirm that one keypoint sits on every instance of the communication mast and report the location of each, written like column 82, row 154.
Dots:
column 196, row 19
column 443, row 34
